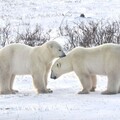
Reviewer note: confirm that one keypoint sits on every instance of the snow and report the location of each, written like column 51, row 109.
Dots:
column 64, row 103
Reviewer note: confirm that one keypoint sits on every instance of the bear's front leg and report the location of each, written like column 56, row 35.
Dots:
column 46, row 77
column 84, row 91
column 39, row 83
column 93, row 89
column 85, row 81
column 11, row 84
column 43, row 91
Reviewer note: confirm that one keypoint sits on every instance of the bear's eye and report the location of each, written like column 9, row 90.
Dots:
column 58, row 65
column 59, row 50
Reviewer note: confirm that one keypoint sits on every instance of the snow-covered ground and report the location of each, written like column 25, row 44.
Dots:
column 64, row 103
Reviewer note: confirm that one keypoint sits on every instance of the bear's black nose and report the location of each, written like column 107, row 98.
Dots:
column 63, row 55
column 53, row 77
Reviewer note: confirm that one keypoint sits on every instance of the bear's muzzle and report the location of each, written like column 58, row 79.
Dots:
column 63, row 55
column 53, row 76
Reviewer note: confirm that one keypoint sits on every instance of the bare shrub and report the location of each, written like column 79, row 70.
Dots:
column 91, row 34
column 4, row 34
column 33, row 38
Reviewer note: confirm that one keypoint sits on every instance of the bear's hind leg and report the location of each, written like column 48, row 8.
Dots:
column 113, row 85
column 119, row 89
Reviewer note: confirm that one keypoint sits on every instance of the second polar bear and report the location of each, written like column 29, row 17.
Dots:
column 19, row 59
column 88, row 62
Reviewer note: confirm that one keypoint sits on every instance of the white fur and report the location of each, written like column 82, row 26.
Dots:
column 19, row 59
column 88, row 62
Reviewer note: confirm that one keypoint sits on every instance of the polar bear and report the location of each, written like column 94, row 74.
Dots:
column 19, row 59
column 88, row 62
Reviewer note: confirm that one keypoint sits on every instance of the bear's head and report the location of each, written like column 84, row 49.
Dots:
column 60, row 67
column 55, row 49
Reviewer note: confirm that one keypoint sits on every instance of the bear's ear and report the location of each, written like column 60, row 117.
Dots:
column 58, row 65
column 51, row 46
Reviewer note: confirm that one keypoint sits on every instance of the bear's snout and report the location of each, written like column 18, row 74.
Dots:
column 53, row 76
column 63, row 55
